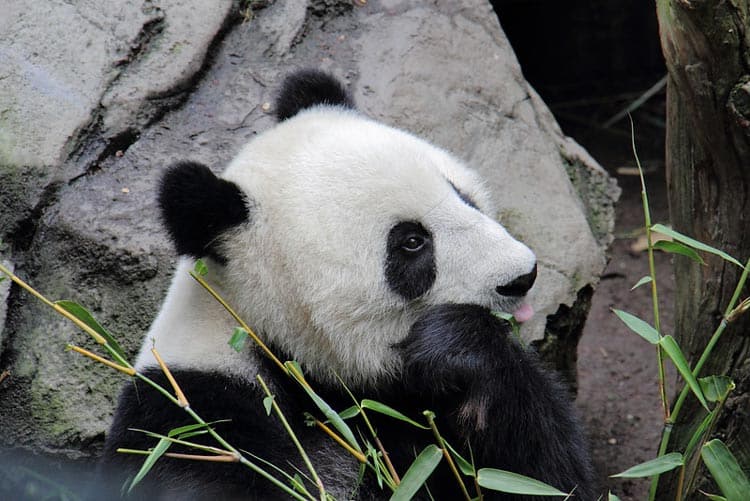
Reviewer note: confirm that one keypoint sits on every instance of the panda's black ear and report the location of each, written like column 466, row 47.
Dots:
column 196, row 207
column 306, row 88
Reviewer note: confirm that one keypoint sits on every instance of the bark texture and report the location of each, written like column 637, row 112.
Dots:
column 706, row 47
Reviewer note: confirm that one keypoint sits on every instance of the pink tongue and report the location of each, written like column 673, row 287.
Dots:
column 524, row 313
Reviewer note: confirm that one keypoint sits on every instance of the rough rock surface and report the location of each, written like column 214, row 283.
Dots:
column 99, row 97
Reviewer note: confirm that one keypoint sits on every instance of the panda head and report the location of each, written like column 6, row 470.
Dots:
column 330, row 233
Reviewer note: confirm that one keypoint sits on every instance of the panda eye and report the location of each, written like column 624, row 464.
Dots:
column 413, row 243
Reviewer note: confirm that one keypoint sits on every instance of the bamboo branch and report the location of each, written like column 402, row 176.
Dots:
column 177, row 390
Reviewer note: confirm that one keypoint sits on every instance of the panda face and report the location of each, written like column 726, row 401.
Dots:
column 355, row 229
column 351, row 230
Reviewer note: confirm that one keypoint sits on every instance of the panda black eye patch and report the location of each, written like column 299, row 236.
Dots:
column 410, row 260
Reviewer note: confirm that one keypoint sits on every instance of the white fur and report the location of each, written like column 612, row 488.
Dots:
column 192, row 330
column 307, row 271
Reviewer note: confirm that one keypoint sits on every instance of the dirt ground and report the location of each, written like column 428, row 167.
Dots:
column 618, row 384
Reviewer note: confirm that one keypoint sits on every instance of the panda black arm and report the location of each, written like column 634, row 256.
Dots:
column 216, row 397
column 461, row 362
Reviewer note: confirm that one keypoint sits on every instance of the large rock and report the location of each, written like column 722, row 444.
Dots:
column 84, row 225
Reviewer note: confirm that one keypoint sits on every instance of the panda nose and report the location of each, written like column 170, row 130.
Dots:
column 518, row 286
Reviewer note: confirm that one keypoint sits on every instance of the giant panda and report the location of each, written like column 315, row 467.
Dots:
column 371, row 258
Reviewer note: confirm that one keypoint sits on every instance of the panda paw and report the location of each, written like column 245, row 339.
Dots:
column 455, row 346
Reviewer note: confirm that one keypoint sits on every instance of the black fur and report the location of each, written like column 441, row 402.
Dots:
column 494, row 395
column 409, row 272
column 196, row 207
column 489, row 395
column 214, row 396
column 307, row 88
column 519, row 286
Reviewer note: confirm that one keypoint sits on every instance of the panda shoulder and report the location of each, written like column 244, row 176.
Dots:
column 304, row 89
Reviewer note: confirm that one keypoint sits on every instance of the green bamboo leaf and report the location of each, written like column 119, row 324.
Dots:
column 513, row 483
column 700, row 432
column 638, row 326
column 508, row 317
column 376, row 461
column 349, row 413
column 190, row 434
column 418, row 473
column 672, row 349
column 192, row 427
column 652, row 467
column 200, row 268
column 612, row 497
column 296, row 372
column 268, row 404
column 727, row 473
column 87, row 318
column 465, row 466
column 678, row 248
column 695, row 244
column 238, row 339
column 156, row 453
column 716, row 388
column 643, row 281
column 297, row 484
column 389, row 411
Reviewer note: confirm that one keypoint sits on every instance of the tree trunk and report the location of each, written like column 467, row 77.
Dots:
column 706, row 47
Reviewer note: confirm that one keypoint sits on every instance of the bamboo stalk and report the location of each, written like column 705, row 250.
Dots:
column 127, row 370
column 360, row 457
column 177, row 390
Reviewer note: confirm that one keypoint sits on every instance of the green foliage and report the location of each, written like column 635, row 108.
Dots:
column 655, row 466
column 200, row 268
column 713, row 388
column 156, row 453
column 418, row 473
column 349, row 412
column 678, row 248
column 693, row 244
column 466, row 467
column 716, row 388
column 87, row 318
column 389, row 411
column 678, row 358
column 514, row 325
column 328, row 412
column 513, row 483
column 238, row 339
column 268, row 404
column 723, row 466
column 643, row 281
column 638, row 326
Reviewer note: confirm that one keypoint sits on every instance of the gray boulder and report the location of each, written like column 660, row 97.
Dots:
column 99, row 97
